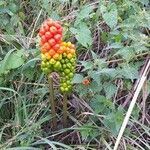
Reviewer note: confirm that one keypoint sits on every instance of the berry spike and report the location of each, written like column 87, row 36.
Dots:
column 57, row 56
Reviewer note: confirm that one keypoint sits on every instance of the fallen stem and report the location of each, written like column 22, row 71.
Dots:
column 52, row 102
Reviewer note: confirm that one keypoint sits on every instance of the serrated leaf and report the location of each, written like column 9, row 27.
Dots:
column 83, row 35
column 110, row 15
column 101, row 104
column 110, row 89
column 144, row 2
column 129, row 72
column 77, row 78
column 110, row 72
column 113, row 121
column 84, row 13
column 87, row 65
column 127, row 53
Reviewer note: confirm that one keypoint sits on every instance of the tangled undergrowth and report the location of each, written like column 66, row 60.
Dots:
column 112, row 44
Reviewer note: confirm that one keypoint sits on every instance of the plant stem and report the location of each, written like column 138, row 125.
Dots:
column 52, row 102
column 65, row 110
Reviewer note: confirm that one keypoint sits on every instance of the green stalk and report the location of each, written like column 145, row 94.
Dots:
column 52, row 102
column 65, row 110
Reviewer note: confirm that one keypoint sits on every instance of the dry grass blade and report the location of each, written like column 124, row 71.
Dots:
column 134, row 99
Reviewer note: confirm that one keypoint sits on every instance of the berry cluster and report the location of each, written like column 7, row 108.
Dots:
column 57, row 56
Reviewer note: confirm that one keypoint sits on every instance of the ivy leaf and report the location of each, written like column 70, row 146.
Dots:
column 83, row 35
column 110, row 14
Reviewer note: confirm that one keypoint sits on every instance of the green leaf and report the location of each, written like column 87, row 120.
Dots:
column 87, row 65
column 12, row 60
column 110, row 14
column 127, row 53
column 101, row 104
column 110, row 89
column 84, row 13
column 110, row 72
column 129, row 71
column 144, row 2
column 113, row 121
column 77, row 78
column 82, row 34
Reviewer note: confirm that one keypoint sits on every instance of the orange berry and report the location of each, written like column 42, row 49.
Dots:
column 47, row 46
column 67, row 50
column 69, row 56
column 60, row 50
column 56, row 56
column 72, row 51
column 86, row 82
column 72, row 46
column 43, row 50
column 52, row 52
column 47, row 55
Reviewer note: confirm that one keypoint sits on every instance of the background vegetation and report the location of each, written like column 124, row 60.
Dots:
column 112, row 40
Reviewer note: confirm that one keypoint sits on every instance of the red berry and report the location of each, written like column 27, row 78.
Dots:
column 57, row 37
column 52, row 42
column 48, row 35
column 56, row 47
column 50, row 22
column 41, row 32
column 57, row 25
column 53, row 30
column 59, row 31
column 43, row 39
column 46, row 27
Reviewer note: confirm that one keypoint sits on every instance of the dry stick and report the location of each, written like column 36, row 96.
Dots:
column 52, row 102
column 65, row 110
column 128, row 114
